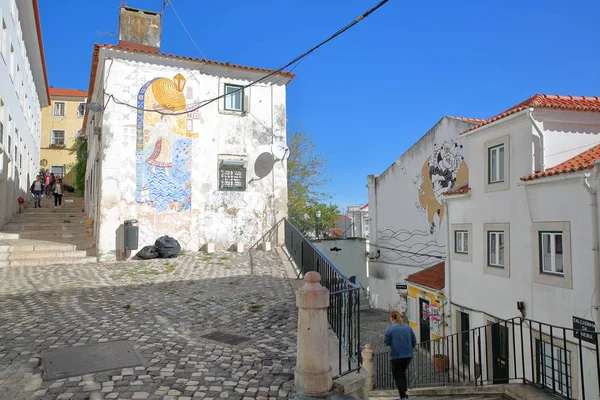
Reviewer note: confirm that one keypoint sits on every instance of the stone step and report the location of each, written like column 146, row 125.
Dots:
column 48, row 262
column 16, row 245
column 42, row 255
column 50, row 211
column 7, row 235
column 54, row 227
column 54, row 236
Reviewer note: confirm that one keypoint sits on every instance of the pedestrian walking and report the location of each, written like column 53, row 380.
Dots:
column 48, row 185
column 402, row 341
column 57, row 191
column 37, row 189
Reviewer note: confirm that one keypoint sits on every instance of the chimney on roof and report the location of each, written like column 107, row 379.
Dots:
column 139, row 28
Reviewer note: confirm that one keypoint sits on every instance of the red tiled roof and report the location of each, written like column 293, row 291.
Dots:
column 433, row 277
column 67, row 92
column 136, row 48
column 556, row 102
column 473, row 120
column 580, row 162
column 459, row 190
column 38, row 27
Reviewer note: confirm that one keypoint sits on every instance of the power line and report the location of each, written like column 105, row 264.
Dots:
column 170, row 2
column 295, row 60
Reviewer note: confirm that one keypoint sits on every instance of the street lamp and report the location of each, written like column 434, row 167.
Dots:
column 318, row 214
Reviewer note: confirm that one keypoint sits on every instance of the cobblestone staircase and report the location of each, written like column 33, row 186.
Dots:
column 47, row 235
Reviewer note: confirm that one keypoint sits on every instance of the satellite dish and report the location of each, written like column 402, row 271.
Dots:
column 264, row 165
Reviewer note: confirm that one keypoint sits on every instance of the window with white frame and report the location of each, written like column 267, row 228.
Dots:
column 59, row 108
column 234, row 98
column 58, row 138
column 411, row 306
column 496, row 164
column 461, row 242
column 554, row 368
column 495, row 249
column 551, row 253
column 80, row 110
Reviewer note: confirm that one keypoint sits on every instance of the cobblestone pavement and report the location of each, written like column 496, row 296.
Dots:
column 163, row 307
column 373, row 324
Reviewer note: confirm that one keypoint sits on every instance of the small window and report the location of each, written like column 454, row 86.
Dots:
column 57, row 170
column 59, row 109
column 496, row 249
column 58, row 138
column 411, row 306
column 234, row 98
column 551, row 253
column 9, row 143
column 1, row 133
column 496, row 161
column 20, row 161
column 232, row 175
column 461, row 242
column 81, row 110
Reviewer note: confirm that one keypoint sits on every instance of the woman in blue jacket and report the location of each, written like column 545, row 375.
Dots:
column 402, row 340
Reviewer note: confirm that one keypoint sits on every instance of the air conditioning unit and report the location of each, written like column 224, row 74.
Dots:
column 97, row 130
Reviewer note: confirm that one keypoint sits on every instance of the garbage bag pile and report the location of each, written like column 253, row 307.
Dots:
column 164, row 247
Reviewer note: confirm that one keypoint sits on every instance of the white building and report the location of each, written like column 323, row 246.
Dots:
column 23, row 93
column 359, row 222
column 407, row 218
column 523, row 231
column 163, row 153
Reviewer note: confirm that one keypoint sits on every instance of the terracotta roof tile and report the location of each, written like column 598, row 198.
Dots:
column 459, row 190
column 473, row 120
column 556, row 102
column 432, row 277
column 67, row 92
column 580, row 162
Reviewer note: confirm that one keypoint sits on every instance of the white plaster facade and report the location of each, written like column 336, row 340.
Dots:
column 212, row 215
column 23, row 93
column 522, row 210
column 407, row 233
column 349, row 256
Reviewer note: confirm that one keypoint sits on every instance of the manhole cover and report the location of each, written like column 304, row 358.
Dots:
column 72, row 361
column 227, row 338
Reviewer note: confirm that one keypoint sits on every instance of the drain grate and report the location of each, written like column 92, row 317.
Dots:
column 72, row 361
column 227, row 338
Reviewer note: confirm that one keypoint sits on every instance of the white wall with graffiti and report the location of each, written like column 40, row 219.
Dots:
column 407, row 224
column 179, row 173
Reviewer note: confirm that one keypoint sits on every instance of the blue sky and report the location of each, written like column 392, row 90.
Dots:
column 371, row 93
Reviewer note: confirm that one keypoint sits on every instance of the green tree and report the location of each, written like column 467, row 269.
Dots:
column 306, row 180
column 80, row 149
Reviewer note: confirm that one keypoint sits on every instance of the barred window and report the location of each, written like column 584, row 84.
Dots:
column 232, row 175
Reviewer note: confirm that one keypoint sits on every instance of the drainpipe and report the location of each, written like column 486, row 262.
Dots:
column 541, row 136
column 594, row 209
column 447, row 267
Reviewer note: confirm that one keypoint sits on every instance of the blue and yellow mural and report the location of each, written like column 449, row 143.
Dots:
column 164, row 146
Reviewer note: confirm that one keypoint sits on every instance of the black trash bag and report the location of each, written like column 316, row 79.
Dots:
column 167, row 247
column 148, row 252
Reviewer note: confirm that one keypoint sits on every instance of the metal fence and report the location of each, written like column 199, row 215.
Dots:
column 560, row 360
column 344, row 297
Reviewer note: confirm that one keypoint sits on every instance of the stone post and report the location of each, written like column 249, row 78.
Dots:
column 312, row 375
column 367, row 356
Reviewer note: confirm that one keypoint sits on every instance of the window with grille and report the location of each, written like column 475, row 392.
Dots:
column 58, row 138
column 554, row 368
column 232, row 175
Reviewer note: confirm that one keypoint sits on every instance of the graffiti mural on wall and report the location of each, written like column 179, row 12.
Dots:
column 443, row 170
column 164, row 146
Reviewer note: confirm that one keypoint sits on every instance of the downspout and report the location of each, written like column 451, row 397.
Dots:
column 447, row 267
column 541, row 136
column 594, row 209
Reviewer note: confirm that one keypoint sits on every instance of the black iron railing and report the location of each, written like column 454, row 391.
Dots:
column 561, row 360
column 344, row 297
